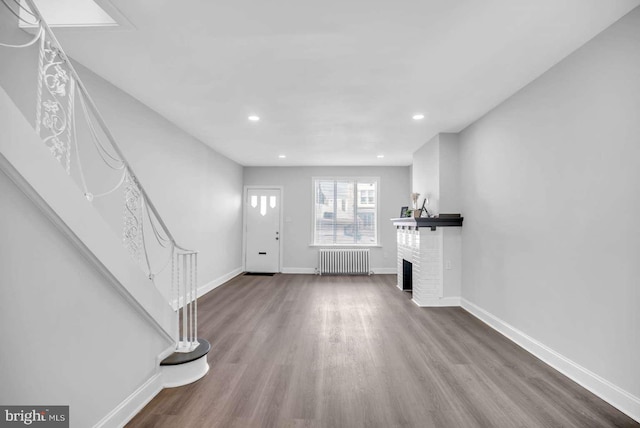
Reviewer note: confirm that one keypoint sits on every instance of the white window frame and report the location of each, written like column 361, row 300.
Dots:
column 313, row 209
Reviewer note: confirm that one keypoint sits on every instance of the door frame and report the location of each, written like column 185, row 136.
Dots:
column 244, row 223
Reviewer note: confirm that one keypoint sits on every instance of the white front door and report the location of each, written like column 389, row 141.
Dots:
column 262, row 230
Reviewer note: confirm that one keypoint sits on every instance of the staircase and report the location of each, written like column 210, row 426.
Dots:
column 68, row 123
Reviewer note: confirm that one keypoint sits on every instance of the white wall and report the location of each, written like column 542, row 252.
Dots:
column 450, row 201
column 436, row 172
column 68, row 336
column 197, row 191
column 449, row 167
column 298, row 202
column 425, row 172
column 551, row 241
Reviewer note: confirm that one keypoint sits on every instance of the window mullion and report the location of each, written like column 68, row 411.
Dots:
column 335, row 211
column 355, row 211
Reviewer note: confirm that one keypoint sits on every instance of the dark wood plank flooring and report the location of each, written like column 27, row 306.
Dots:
column 309, row 351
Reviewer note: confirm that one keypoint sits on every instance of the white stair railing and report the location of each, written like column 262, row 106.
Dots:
column 58, row 89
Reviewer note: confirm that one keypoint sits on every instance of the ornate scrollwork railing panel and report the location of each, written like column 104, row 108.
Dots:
column 132, row 216
column 55, row 103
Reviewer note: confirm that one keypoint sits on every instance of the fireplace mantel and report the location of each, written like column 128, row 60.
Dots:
column 445, row 220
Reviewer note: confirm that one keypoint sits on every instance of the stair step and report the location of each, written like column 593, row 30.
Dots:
column 186, row 357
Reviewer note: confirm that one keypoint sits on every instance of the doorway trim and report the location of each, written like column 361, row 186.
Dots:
column 244, row 223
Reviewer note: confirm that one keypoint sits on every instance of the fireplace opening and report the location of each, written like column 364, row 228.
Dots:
column 407, row 276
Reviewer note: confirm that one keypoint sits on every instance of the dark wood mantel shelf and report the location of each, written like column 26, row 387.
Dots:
column 444, row 220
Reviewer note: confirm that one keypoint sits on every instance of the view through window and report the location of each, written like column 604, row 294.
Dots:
column 345, row 211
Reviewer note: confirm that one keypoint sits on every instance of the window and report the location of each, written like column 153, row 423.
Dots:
column 75, row 14
column 345, row 211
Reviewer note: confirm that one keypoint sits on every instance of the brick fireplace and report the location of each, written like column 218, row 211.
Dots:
column 420, row 256
column 423, row 249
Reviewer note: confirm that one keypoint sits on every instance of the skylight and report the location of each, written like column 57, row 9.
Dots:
column 73, row 13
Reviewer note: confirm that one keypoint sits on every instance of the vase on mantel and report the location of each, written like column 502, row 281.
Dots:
column 417, row 213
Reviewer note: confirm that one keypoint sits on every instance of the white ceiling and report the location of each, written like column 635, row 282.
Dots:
column 335, row 82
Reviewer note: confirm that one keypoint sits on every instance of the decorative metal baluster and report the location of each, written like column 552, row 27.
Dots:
column 43, row 40
column 55, row 98
column 132, row 213
column 190, row 313
column 184, row 300
column 194, row 298
column 177, row 282
column 195, row 320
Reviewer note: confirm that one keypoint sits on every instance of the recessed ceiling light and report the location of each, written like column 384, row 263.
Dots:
column 418, row 116
column 380, row 156
column 282, row 156
column 254, row 118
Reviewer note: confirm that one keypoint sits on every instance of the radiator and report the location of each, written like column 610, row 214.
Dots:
column 344, row 262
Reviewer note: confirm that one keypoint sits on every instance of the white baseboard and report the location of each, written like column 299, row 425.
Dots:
column 304, row 270
column 204, row 289
column 298, row 270
column 612, row 394
column 385, row 271
column 437, row 303
column 211, row 285
column 127, row 409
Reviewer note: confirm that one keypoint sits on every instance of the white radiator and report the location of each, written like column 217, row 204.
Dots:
column 344, row 261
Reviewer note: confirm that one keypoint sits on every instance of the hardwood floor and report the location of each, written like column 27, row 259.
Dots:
column 309, row 351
